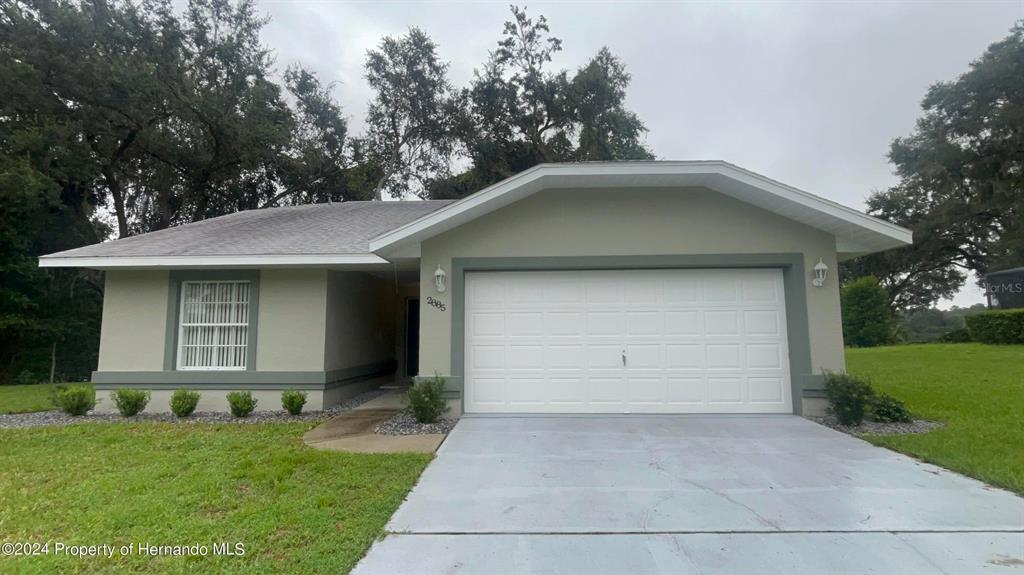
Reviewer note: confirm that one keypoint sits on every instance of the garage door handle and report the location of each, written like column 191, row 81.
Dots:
column 623, row 358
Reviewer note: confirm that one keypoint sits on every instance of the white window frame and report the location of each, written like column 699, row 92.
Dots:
column 181, row 327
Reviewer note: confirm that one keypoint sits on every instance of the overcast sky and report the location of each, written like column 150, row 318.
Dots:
column 808, row 93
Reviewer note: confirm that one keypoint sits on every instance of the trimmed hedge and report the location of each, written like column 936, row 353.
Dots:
column 999, row 326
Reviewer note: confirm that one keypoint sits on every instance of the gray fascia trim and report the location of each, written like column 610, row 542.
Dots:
column 241, row 379
column 794, row 280
column 175, row 277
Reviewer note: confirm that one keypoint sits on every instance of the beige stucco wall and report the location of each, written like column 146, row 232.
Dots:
column 308, row 320
column 292, row 320
column 630, row 222
column 134, row 321
column 360, row 320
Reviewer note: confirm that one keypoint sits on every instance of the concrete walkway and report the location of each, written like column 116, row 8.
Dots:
column 353, row 431
column 691, row 494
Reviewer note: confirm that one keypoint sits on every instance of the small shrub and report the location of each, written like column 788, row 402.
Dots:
column 426, row 399
column 956, row 336
column 848, row 397
column 74, row 400
column 130, row 401
column 887, row 409
column 293, row 401
column 868, row 320
column 997, row 327
column 242, row 403
column 184, row 402
column 26, row 377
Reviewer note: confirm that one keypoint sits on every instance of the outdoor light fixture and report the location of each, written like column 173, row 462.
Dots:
column 820, row 272
column 439, row 279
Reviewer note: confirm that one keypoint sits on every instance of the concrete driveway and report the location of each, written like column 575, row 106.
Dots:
column 690, row 494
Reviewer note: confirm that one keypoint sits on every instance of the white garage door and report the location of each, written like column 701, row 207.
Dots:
column 627, row 341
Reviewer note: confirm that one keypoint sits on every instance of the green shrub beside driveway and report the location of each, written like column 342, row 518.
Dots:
column 977, row 390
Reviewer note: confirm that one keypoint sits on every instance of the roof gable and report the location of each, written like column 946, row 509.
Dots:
column 856, row 233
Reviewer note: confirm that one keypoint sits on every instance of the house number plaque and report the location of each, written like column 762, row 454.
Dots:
column 436, row 303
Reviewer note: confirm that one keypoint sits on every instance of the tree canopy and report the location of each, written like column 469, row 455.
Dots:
column 961, row 187
column 120, row 117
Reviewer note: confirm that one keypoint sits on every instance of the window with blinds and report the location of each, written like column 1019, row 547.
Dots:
column 214, row 327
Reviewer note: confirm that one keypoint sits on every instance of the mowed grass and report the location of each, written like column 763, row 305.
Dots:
column 977, row 390
column 295, row 509
column 25, row 398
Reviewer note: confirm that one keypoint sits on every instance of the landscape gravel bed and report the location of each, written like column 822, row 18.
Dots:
column 405, row 424
column 43, row 418
column 878, row 428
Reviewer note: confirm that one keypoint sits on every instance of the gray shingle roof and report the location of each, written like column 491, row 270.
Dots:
column 315, row 229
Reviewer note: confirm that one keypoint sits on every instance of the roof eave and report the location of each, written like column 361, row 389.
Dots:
column 212, row 262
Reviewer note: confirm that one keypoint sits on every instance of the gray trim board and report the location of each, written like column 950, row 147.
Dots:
column 794, row 280
column 174, row 300
column 251, row 380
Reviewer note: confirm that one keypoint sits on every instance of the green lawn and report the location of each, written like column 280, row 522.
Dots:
column 295, row 509
column 25, row 398
column 977, row 390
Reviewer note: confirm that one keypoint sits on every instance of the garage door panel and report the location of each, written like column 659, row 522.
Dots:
column 646, row 390
column 725, row 390
column 765, row 389
column 526, row 356
column 763, row 356
column 488, row 357
column 603, row 357
column 565, row 323
column 717, row 289
column 604, row 323
column 760, row 290
column 684, row 323
column 721, row 323
column 488, row 324
column 567, row 390
column 722, row 356
column 525, row 323
column 641, row 290
column 607, row 390
column 644, row 322
column 761, row 322
column 644, row 356
column 684, row 356
column 526, row 390
column 686, row 391
column 565, row 357
column 695, row 341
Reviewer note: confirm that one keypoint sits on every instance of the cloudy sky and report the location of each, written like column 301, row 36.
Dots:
column 808, row 93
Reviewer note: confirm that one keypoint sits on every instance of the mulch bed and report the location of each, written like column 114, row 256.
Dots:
column 878, row 428
column 405, row 424
column 45, row 418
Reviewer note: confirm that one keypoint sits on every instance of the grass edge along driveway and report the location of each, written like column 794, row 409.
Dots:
column 295, row 509
column 976, row 390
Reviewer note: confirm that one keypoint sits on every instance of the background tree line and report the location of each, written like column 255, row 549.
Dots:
column 120, row 117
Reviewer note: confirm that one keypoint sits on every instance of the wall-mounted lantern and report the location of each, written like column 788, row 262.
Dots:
column 820, row 273
column 439, row 279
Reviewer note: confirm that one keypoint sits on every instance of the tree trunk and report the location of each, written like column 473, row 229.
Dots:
column 114, row 185
column 53, row 359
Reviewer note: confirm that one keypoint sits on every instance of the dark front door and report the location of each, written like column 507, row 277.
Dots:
column 412, row 337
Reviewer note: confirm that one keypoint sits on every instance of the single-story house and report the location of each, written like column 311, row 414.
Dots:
column 619, row 287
